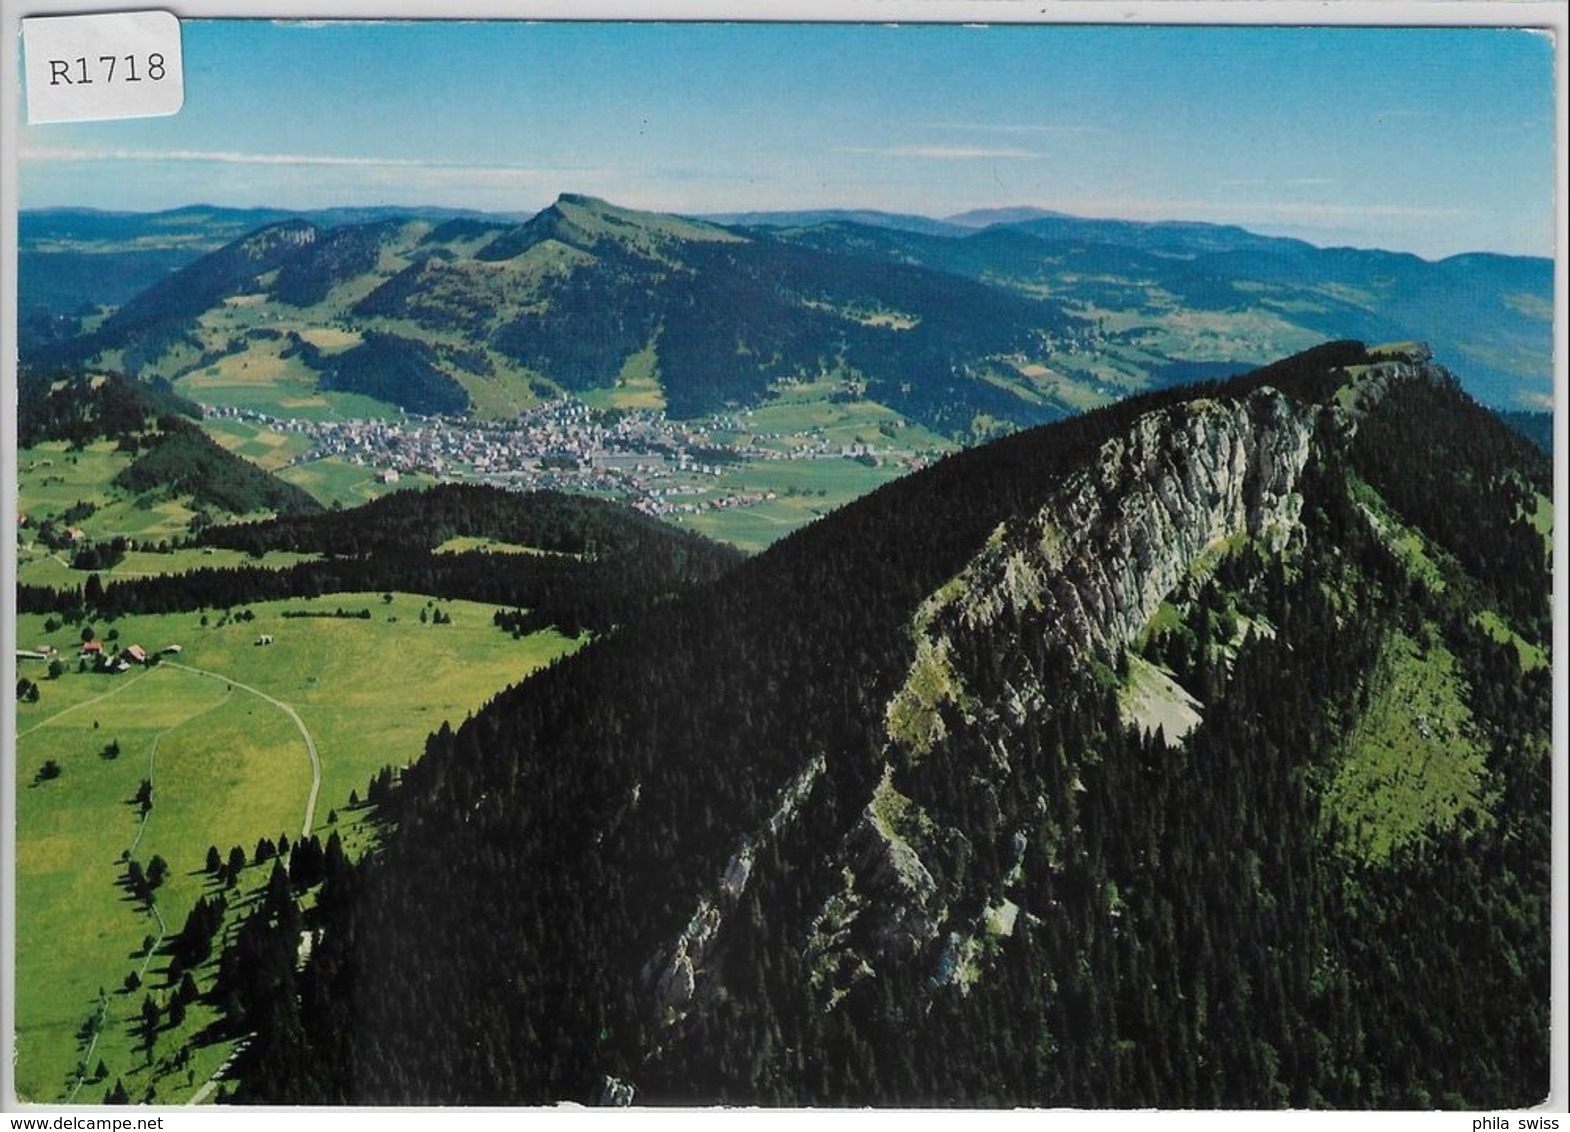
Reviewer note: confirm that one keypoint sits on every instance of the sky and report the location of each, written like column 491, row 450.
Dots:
column 1434, row 141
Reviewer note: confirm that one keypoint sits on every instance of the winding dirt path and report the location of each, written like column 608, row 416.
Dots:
column 310, row 743
column 115, row 691
column 309, row 820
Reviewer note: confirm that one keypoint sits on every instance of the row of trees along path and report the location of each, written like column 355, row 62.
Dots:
column 146, row 811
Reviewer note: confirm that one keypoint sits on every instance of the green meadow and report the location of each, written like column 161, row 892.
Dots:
column 39, row 566
column 804, row 491
column 228, row 766
column 334, row 480
column 53, row 478
column 264, row 446
column 1412, row 767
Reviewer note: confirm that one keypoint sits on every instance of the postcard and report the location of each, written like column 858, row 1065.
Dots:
column 901, row 559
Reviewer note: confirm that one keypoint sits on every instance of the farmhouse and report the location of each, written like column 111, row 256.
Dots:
column 92, row 648
column 75, row 534
column 390, row 475
column 137, row 653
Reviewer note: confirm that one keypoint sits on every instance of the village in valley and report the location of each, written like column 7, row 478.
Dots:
column 641, row 457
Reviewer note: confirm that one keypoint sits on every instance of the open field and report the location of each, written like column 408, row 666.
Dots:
column 259, row 378
column 637, row 386
column 460, row 544
column 227, row 767
column 52, row 478
column 1412, row 767
column 334, row 480
column 266, row 447
column 37, row 565
column 804, row 491
column 805, row 413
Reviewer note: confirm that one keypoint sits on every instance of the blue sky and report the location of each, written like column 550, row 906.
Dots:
column 1429, row 140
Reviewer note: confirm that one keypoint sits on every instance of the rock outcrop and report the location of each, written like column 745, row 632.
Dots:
column 1097, row 561
column 675, row 972
column 1088, row 570
column 1094, row 563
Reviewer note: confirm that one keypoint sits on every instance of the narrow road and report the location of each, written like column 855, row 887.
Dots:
column 212, row 1082
column 310, row 744
column 119, row 687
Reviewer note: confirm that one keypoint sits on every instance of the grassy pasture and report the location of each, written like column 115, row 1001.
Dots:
column 142, row 564
column 1412, row 765
column 637, row 386
column 40, row 567
column 258, row 378
column 806, row 490
column 227, row 767
column 335, row 480
column 263, row 446
column 221, row 771
column 751, row 528
column 1531, row 656
column 1543, row 520
column 37, row 565
column 1171, row 330
column 499, row 395
column 51, row 478
column 458, row 544
column 805, row 414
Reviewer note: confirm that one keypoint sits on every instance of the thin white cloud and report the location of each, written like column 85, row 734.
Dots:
column 940, row 152
column 1009, row 128
column 221, row 157
column 1276, row 182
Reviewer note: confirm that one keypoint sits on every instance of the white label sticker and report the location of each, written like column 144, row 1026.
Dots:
column 114, row 65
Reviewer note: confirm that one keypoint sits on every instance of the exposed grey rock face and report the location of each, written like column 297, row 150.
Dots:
column 1100, row 558
column 1095, row 562
column 676, row 972
column 900, row 884
column 1088, row 570
column 615, row 1093
column 294, row 233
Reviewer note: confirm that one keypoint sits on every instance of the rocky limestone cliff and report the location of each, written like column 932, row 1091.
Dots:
column 1094, row 563
column 288, row 234
column 1088, row 570
column 676, row 972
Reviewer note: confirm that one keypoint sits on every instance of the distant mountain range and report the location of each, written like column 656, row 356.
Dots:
column 979, row 323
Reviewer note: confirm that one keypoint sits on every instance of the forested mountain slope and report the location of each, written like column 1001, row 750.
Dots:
column 967, row 331
column 1190, row 752
column 494, row 314
column 1198, row 292
column 564, row 560
column 173, row 457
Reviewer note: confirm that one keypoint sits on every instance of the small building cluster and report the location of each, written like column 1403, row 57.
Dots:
column 120, row 660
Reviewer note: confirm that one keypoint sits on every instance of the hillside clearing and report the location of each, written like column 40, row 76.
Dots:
column 227, row 768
